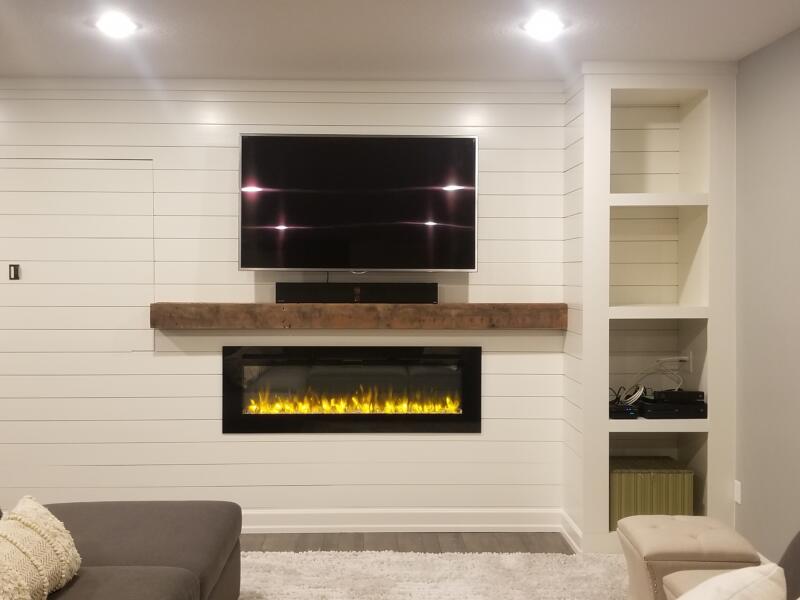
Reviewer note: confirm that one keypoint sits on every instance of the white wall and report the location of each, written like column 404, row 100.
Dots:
column 113, row 195
column 768, row 288
column 573, row 289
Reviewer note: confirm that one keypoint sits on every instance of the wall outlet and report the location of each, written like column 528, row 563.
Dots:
column 737, row 491
column 13, row 272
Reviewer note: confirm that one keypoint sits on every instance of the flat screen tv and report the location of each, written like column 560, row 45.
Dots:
column 358, row 203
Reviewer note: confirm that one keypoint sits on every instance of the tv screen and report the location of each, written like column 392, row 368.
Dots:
column 358, row 203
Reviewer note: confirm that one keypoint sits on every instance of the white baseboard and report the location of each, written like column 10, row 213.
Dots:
column 571, row 532
column 423, row 519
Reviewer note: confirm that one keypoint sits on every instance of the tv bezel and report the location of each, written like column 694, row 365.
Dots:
column 352, row 269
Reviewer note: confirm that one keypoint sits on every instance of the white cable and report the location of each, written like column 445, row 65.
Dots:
column 657, row 367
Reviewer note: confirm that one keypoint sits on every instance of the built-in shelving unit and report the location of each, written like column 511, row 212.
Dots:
column 659, row 141
column 657, row 311
column 659, row 426
column 658, row 255
column 671, row 199
column 659, row 194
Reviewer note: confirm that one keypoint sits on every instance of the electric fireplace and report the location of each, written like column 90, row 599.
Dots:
column 321, row 389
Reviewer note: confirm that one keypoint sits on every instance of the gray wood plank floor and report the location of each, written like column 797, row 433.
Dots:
column 407, row 542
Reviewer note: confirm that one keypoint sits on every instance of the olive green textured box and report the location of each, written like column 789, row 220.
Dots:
column 649, row 486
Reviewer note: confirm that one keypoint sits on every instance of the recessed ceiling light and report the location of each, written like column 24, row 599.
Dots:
column 544, row 26
column 116, row 24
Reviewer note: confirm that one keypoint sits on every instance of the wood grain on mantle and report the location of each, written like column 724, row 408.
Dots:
column 191, row 315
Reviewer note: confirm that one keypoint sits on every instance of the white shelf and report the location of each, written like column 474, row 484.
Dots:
column 670, row 199
column 657, row 311
column 658, row 425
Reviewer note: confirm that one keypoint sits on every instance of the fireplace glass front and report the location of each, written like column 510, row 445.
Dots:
column 322, row 389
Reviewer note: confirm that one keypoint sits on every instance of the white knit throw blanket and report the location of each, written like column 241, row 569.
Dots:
column 37, row 553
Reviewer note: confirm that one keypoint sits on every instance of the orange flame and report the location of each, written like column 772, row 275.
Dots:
column 367, row 401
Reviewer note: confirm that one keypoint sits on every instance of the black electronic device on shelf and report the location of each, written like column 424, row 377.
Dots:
column 652, row 409
column 357, row 293
column 678, row 396
column 622, row 411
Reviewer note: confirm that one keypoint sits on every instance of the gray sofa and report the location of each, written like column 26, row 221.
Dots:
column 153, row 550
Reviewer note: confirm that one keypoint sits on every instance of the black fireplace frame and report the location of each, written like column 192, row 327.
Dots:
column 234, row 421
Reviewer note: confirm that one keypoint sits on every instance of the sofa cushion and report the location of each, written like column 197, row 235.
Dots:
column 131, row 583
column 194, row 535
column 37, row 554
column 685, row 539
column 765, row 582
column 677, row 584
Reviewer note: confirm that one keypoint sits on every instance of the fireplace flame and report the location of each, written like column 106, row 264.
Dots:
column 366, row 401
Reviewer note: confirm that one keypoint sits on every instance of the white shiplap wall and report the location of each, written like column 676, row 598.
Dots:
column 113, row 194
column 644, row 255
column 573, row 289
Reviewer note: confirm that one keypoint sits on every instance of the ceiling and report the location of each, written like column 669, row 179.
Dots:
column 375, row 39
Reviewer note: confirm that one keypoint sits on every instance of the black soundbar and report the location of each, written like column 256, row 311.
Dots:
column 350, row 293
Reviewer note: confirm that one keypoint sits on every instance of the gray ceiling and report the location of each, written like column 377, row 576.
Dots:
column 375, row 39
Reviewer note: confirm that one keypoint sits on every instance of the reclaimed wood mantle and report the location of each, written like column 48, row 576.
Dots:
column 196, row 315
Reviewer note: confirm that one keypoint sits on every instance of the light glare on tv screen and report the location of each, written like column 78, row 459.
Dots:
column 358, row 203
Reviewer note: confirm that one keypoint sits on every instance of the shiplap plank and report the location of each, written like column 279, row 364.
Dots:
column 654, row 183
column 505, row 251
column 644, row 252
column 644, row 274
column 634, row 163
column 506, row 341
column 100, row 272
column 150, row 134
column 520, row 183
column 288, row 93
column 124, row 363
column 519, row 206
column 538, row 273
column 193, row 250
column 295, row 85
column 76, row 249
column 265, row 292
column 205, row 204
column 196, row 227
column 653, row 294
column 543, row 161
column 75, row 203
column 633, row 230
column 60, row 317
column 148, row 363
column 296, row 474
column 71, row 340
column 241, row 113
column 72, row 432
column 162, row 157
column 654, row 140
column 32, row 294
column 519, row 229
column 77, row 226
column 645, row 117
column 474, row 451
column 76, row 180
column 311, row 497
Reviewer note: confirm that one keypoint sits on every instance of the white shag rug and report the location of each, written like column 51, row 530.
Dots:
column 414, row 576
